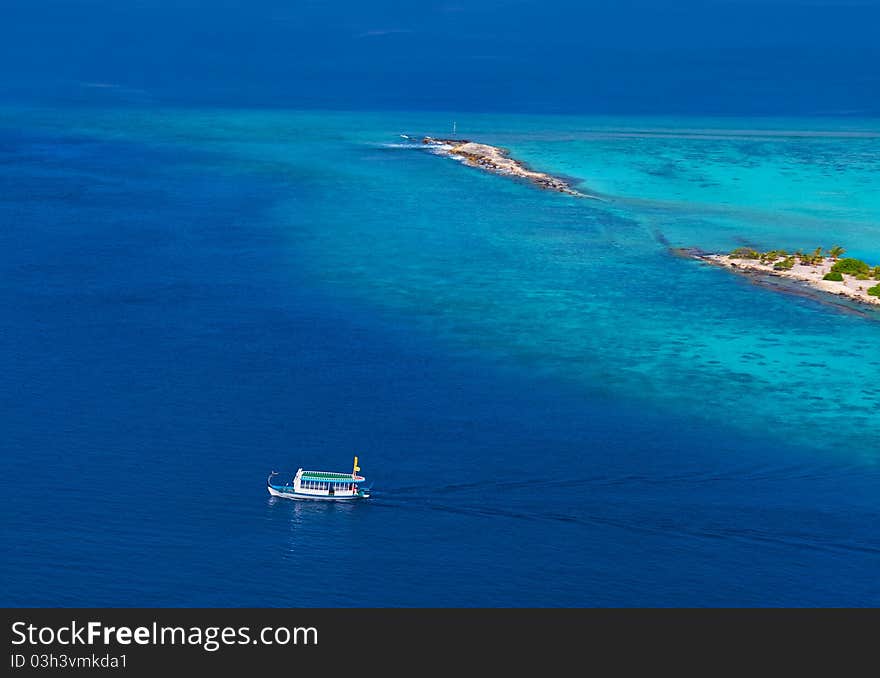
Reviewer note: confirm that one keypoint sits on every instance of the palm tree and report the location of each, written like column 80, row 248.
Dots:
column 836, row 252
column 816, row 257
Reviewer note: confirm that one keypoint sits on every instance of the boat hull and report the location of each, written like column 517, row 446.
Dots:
column 284, row 494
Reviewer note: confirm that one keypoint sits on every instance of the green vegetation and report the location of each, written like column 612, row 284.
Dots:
column 851, row 267
column 773, row 256
column 745, row 253
column 781, row 260
column 814, row 258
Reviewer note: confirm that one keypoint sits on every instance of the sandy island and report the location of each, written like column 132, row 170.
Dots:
column 809, row 274
column 498, row 161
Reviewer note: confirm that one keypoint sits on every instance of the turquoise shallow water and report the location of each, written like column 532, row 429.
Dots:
column 587, row 291
column 554, row 410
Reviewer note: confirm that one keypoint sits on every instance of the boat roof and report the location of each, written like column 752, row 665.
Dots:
column 327, row 475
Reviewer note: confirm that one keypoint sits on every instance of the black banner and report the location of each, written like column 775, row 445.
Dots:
column 146, row 641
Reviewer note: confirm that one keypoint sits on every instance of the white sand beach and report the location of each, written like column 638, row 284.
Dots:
column 812, row 275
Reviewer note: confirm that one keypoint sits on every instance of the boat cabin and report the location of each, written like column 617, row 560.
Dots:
column 324, row 484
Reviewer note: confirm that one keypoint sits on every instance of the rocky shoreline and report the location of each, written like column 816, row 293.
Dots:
column 810, row 274
column 498, row 161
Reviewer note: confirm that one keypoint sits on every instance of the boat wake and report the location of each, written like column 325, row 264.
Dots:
column 399, row 144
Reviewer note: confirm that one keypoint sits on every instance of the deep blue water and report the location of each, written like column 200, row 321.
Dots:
column 730, row 58
column 192, row 300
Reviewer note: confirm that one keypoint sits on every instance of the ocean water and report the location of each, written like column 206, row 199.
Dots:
column 553, row 410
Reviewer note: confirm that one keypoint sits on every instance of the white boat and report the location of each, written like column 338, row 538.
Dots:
column 320, row 485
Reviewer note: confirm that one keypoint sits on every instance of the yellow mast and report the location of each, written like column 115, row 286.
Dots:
column 356, row 468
